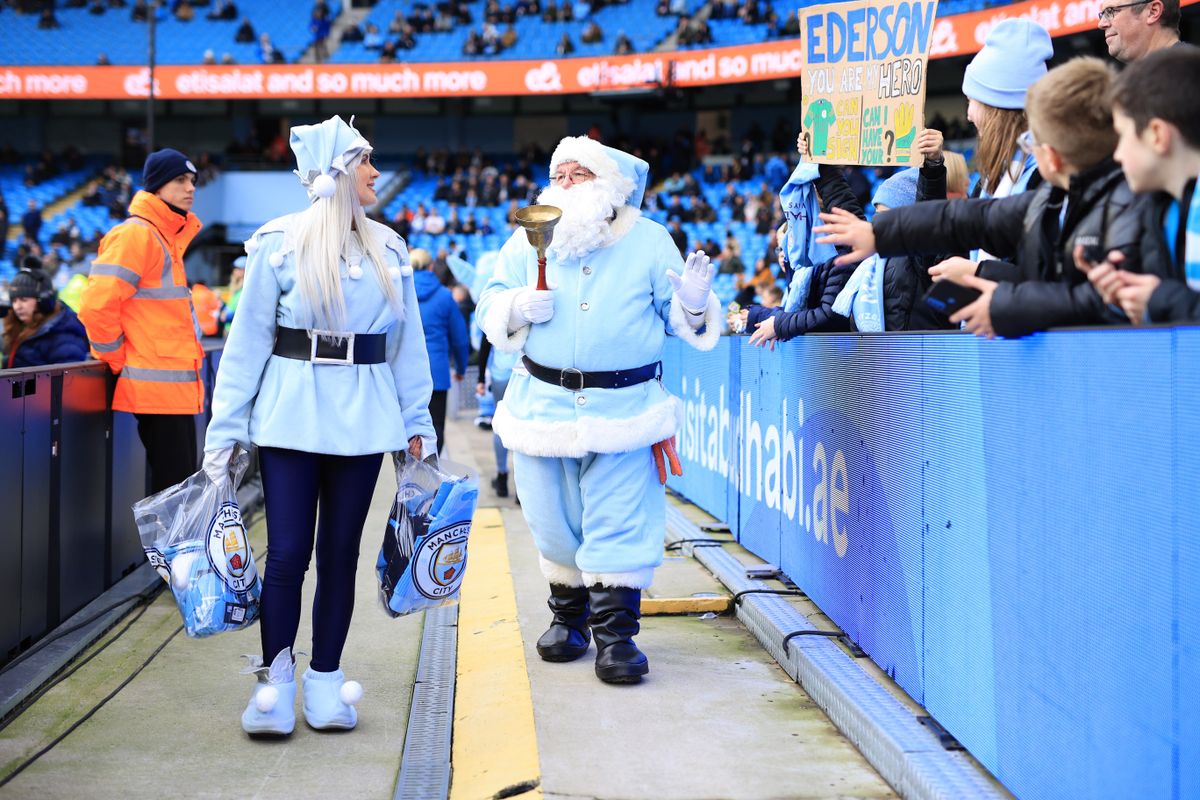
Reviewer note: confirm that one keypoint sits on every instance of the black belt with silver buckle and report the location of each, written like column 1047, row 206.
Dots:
column 331, row 347
column 574, row 380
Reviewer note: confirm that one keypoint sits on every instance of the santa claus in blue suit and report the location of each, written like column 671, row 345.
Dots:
column 585, row 414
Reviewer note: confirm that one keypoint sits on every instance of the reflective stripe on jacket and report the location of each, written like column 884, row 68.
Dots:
column 137, row 309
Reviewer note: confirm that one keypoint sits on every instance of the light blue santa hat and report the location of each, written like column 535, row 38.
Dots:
column 898, row 190
column 627, row 172
column 1013, row 57
column 324, row 149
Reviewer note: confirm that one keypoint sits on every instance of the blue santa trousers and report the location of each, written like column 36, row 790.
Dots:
column 603, row 513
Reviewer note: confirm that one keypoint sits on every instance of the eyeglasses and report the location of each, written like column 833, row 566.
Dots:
column 1027, row 143
column 1110, row 13
column 576, row 176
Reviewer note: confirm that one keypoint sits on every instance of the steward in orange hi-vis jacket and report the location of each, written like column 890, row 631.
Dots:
column 138, row 313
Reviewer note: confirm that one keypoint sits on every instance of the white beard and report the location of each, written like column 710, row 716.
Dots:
column 588, row 209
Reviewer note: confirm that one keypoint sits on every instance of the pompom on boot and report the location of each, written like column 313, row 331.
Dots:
column 329, row 700
column 272, row 707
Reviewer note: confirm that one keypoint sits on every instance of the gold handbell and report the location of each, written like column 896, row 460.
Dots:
column 539, row 222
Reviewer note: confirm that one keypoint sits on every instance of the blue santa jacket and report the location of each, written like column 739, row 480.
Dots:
column 61, row 339
column 272, row 401
column 445, row 329
column 612, row 310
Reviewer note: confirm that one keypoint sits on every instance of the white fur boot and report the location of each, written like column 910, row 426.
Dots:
column 272, row 707
column 329, row 700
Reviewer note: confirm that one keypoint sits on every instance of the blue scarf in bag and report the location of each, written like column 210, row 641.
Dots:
column 1191, row 252
column 800, row 209
column 862, row 296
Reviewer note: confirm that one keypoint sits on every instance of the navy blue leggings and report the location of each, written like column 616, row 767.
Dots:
column 293, row 482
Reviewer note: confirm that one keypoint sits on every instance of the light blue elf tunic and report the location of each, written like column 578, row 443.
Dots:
column 272, row 401
column 584, row 469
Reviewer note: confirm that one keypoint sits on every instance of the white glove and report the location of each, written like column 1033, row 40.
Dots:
column 216, row 464
column 694, row 287
column 531, row 305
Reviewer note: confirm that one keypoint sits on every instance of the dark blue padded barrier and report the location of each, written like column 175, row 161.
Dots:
column 72, row 468
column 1011, row 529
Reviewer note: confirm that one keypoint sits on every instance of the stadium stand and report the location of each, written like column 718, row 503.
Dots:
column 83, row 35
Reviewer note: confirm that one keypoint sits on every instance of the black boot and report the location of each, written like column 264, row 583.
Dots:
column 568, row 636
column 614, row 622
column 500, row 484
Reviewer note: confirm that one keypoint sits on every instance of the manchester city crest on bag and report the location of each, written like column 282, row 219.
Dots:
column 195, row 539
column 424, row 553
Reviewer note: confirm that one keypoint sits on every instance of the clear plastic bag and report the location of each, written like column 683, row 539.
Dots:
column 424, row 553
column 194, row 536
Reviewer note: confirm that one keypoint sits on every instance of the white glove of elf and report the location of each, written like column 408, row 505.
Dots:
column 531, row 306
column 694, row 287
column 216, row 464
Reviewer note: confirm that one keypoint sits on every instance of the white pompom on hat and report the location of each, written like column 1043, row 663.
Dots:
column 323, row 150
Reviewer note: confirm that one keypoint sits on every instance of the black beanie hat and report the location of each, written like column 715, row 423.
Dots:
column 31, row 281
column 164, row 166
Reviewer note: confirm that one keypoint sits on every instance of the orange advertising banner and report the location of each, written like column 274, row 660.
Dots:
column 962, row 34
column 777, row 59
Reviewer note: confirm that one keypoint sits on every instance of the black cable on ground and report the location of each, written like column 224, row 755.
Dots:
column 737, row 597
column 33, row 758
column 42, row 643
column 29, row 701
column 850, row 644
column 678, row 545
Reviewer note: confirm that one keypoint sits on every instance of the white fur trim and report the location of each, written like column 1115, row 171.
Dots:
column 560, row 574
column 582, row 435
column 635, row 579
column 586, row 152
column 627, row 217
column 495, row 323
column 712, row 324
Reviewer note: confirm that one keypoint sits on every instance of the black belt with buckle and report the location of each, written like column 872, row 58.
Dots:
column 331, row 347
column 574, row 380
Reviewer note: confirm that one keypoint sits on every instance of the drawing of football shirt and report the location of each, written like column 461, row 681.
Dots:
column 818, row 121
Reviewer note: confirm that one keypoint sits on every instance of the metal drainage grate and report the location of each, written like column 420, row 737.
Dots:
column 425, row 765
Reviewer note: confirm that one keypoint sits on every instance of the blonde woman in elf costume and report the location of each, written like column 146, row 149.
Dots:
column 324, row 370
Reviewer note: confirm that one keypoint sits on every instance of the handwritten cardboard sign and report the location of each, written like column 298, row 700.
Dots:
column 864, row 79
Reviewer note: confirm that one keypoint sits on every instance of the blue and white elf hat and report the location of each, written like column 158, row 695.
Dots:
column 323, row 150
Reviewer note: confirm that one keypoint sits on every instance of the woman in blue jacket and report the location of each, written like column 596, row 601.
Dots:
column 445, row 335
column 324, row 370
column 39, row 329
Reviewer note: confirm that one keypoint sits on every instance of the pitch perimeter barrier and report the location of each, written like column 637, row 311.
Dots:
column 1011, row 529
column 71, row 470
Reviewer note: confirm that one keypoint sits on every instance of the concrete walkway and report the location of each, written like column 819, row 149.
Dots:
column 716, row 717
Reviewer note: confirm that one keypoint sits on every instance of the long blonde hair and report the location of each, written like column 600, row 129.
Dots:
column 323, row 240
column 998, row 143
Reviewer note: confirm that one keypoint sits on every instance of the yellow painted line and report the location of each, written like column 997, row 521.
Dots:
column 495, row 744
column 684, row 605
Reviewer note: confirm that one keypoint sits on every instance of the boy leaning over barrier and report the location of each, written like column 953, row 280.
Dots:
column 1157, row 117
column 1084, row 201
